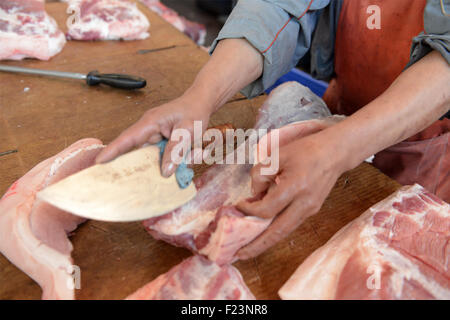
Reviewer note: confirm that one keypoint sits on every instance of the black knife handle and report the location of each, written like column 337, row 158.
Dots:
column 121, row 81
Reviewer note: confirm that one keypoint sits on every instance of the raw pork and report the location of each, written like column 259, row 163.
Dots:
column 398, row 249
column 196, row 278
column 210, row 224
column 27, row 31
column 107, row 20
column 33, row 234
column 193, row 30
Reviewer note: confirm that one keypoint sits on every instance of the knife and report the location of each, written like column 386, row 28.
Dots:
column 129, row 188
column 121, row 81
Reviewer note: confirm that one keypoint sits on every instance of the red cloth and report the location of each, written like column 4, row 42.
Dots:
column 426, row 162
column 367, row 61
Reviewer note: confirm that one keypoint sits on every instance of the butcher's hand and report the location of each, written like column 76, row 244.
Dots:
column 234, row 64
column 156, row 124
column 294, row 193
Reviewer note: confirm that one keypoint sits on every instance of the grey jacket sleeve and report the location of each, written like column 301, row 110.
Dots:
column 436, row 35
column 280, row 29
column 323, row 42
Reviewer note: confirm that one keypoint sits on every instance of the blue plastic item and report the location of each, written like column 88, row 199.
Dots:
column 317, row 86
column 183, row 174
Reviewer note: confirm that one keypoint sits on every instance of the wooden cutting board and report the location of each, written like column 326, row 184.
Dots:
column 115, row 259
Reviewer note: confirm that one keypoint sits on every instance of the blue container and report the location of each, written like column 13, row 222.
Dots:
column 317, row 86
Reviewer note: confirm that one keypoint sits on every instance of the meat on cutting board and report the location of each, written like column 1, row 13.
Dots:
column 196, row 278
column 195, row 31
column 34, row 234
column 210, row 224
column 398, row 249
column 27, row 31
column 106, row 20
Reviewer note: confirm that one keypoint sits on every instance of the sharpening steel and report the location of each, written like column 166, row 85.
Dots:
column 93, row 78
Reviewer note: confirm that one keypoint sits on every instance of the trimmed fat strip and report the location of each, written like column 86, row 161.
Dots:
column 34, row 234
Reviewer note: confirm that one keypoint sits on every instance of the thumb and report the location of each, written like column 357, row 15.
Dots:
column 176, row 149
column 261, row 182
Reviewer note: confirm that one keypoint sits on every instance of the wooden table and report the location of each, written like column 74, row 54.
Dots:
column 118, row 258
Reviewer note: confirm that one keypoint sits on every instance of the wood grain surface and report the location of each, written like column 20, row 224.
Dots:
column 117, row 258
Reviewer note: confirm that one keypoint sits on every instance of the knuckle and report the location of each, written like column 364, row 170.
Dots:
column 246, row 252
column 255, row 171
column 266, row 214
column 288, row 228
column 254, row 210
column 302, row 185
column 259, row 209
column 273, row 237
column 256, row 177
column 312, row 205
column 282, row 158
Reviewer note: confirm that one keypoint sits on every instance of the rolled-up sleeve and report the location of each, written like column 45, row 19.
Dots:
column 281, row 30
column 436, row 35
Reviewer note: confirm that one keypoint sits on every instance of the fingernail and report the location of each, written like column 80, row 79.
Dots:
column 167, row 170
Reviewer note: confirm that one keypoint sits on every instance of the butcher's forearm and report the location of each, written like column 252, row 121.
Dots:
column 418, row 97
column 233, row 65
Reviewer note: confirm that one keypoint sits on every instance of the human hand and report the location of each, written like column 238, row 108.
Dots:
column 156, row 124
column 308, row 169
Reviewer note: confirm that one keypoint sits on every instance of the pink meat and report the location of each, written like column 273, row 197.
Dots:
column 106, row 20
column 27, row 31
column 195, row 31
column 34, row 234
column 210, row 224
column 196, row 278
column 228, row 232
column 398, row 249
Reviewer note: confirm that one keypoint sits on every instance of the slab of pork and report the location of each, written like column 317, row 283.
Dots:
column 34, row 234
column 196, row 278
column 106, row 20
column 27, row 31
column 398, row 249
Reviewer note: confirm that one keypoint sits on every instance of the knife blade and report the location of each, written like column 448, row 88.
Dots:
column 129, row 188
